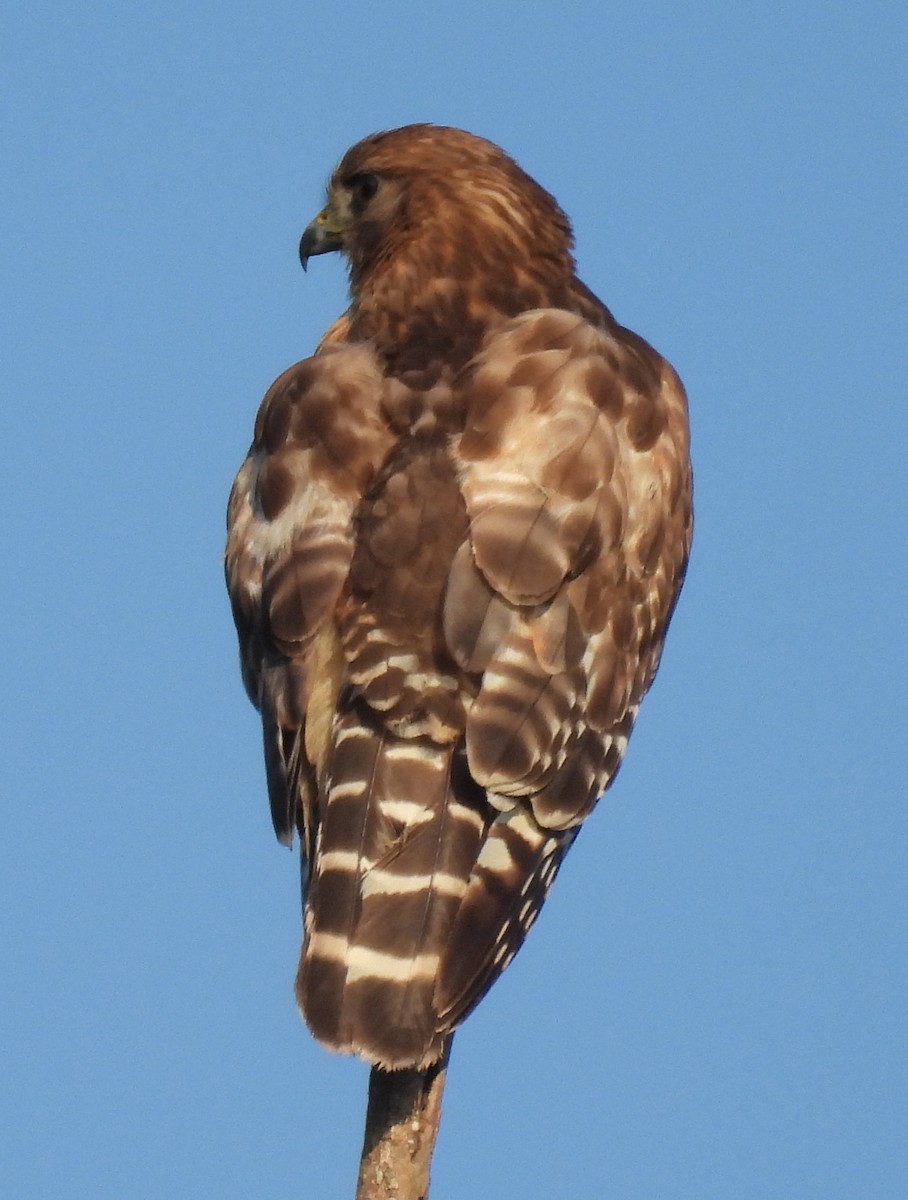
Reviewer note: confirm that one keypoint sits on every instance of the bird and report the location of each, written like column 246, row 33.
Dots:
column 453, row 552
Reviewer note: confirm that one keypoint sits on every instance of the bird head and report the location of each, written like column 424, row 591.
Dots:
column 450, row 201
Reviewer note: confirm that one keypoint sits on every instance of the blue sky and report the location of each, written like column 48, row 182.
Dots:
column 712, row 1004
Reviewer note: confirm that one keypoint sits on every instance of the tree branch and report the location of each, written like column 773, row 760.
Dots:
column 401, row 1126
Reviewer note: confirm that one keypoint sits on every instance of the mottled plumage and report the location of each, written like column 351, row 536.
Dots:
column 453, row 553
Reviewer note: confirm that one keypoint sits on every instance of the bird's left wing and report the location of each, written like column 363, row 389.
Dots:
column 319, row 438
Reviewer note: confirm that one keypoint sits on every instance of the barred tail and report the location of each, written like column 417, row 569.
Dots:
column 400, row 834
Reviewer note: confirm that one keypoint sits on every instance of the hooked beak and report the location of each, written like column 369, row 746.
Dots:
column 320, row 236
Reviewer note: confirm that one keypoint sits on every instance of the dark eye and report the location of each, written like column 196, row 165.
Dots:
column 363, row 187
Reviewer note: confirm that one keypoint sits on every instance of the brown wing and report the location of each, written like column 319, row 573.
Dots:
column 575, row 473
column 318, row 441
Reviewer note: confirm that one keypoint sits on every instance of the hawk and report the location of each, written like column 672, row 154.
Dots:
column 453, row 552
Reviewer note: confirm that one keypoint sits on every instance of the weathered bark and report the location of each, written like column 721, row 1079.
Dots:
column 401, row 1127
